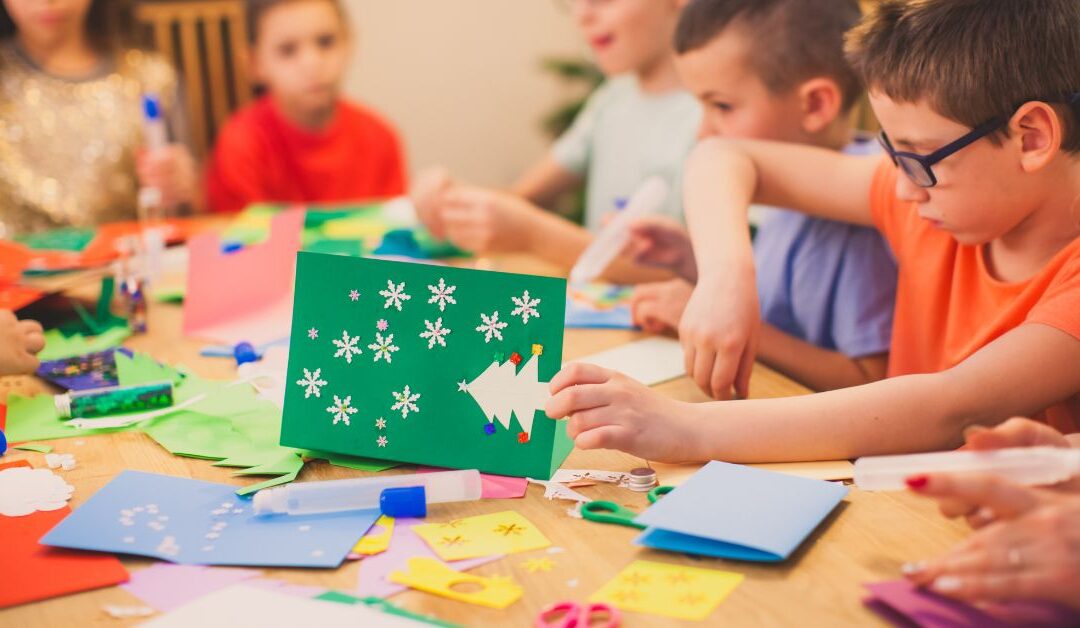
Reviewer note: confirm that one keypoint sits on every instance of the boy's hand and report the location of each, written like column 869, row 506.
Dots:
column 658, row 241
column 658, row 307
column 20, row 341
column 427, row 196
column 173, row 171
column 719, row 334
column 608, row 410
column 482, row 221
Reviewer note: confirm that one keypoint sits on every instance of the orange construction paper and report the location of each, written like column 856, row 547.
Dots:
column 32, row 571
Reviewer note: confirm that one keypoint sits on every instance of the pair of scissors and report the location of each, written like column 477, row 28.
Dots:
column 574, row 615
column 610, row 512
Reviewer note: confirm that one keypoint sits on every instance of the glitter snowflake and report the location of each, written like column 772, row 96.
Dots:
column 490, row 326
column 463, row 386
column 311, row 383
column 381, row 441
column 395, row 295
column 354, row 295
column 526, row 307
column 313, row 333
column 435, row 333
column 341, row 409
column 383, row 347
column 382, row 325
column 441, row 294
column 380, row 423
column 347, row 347
column 405, row 402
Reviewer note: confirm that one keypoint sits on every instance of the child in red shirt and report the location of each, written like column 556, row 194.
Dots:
column 302, row 142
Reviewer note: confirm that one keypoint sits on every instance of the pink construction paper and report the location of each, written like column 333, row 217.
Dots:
column 245, row 295
column 166, row 586
column 903, row 604
column 493, row 486
column 286, row 588
column 404, row 544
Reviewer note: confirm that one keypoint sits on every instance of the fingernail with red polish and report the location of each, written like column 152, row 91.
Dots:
column 917, row 482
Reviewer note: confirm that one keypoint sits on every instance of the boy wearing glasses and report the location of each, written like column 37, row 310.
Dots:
column 826, row 288
column 979, row 103
column 639, row 123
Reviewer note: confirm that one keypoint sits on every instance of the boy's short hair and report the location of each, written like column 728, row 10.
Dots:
column 793, row 40
column 973, row 60
column 256, row 9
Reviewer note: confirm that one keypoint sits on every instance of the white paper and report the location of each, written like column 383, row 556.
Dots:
column 242, row 606
column 24, row 491
column 554, row 490
column 569, row 476
column 650, row 361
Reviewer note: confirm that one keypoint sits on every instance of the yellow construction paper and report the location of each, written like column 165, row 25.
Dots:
column 432, row 576
column 668, row 590
column 376, row 542
column 534, row 565
column 504, row 532
column 676, row 474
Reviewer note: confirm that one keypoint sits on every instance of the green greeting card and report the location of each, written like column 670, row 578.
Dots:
column 426, row 364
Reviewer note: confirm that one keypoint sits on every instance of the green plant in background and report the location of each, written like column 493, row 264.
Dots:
column 579, row 72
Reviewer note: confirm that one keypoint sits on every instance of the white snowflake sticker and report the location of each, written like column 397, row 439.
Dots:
column 526, row 307
column 341, row 409
column 383, row 347
column 441, row 294
column 347, row 347
column 354, row 295
column 395, row 295
column 381, row 441
column 491, row 326
column 311, row 383
column 406, row 402
column 435, row 333
column 380, row 423
column 313, row 333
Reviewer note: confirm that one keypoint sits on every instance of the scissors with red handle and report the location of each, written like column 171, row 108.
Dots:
column 574, row 615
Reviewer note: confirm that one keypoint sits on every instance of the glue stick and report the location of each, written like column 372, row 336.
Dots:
column 114, row 400
column 1031, row 466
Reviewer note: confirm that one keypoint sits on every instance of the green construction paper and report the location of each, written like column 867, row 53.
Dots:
column 254, row 488
column 352, row 462
column 170, row 295
column 449, row 428
column 290, row 463
column 383, row 605
column 102, row 319
column 59, row 346
column 331, row 246
column 142, row 369
column 64, row 239
column 35, row 418
column 41, row 449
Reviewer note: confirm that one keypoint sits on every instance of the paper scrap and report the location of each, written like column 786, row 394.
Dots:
column 122, row 612
column 567, row 476
column 676, row 474
column 668, row 590
column 493, row 486
column 192, row 522
column 39, row 448
column 929, row 610
column 24, row 491
column 404, row 544
column 377, row 538
column 242, row 605
column 60, row 461
column 506, row 532
column 554, row 490
column 650, row 361
column 36, row 572
column 534, row 565
column 165, row 586
column 432, row 576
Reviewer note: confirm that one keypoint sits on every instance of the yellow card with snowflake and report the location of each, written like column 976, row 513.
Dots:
column 425, row 364
column 485, row 535
column 669, row 590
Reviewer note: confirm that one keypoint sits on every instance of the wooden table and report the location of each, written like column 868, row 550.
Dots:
column 865, row 540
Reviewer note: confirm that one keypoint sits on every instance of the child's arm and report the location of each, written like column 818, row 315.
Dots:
column 545, row 182
column 719, row 330
column 1023, row 372
column 658, row 308
column 815, row 367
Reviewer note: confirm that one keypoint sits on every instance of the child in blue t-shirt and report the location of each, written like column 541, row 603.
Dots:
column 826, row 289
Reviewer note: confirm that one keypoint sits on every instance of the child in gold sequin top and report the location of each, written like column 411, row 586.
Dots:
column 71, row 88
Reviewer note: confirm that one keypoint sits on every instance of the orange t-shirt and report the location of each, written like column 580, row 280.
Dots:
column 948, row 305
column 261, row 156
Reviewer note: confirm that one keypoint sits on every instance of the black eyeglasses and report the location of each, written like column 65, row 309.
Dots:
column 918, row 168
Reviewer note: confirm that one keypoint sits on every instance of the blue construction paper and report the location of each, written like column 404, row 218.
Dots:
column 138, row 513
column 585, row 317
column 731, row 511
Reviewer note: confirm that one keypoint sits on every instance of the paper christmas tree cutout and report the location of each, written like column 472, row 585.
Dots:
column 425, row 364
column 502, row 391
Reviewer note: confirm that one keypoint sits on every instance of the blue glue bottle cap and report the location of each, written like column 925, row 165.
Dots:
column 231, row 246
column 3, row 443
column 151, row 107
column 244, row 352
column 620, row 203
column 408, row 501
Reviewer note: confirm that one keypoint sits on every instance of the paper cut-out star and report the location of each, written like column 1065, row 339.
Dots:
column 635, row 579
column 534, row 565
column 507, row 530
column 463, row 386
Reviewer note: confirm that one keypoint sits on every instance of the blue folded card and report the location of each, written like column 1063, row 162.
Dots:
column 731, row 511
column 203, row 523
